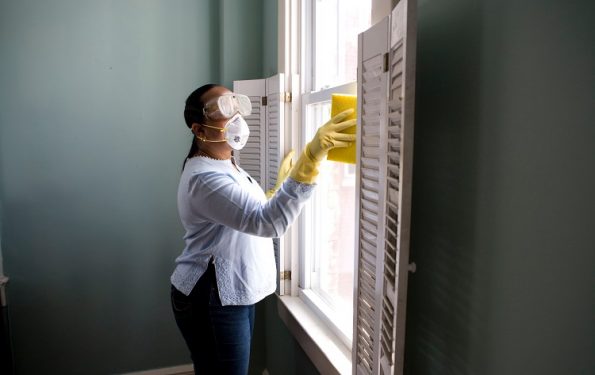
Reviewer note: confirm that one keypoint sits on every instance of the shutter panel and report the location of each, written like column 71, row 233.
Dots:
column 264, row 150
column 386, row 140
column 399, row 176
column 252, row 157
column 372, row 93
column 275, row 114
column 275, row 111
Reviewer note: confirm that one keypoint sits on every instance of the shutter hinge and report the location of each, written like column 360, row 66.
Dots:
column 287, row 97
column 285, row 275
column 264, row 100
column 385, row 67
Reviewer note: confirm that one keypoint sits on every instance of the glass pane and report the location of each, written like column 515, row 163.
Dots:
column 332, row 224
column 336, row 26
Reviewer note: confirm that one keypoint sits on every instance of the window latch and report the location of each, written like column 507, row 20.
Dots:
column 287, row 97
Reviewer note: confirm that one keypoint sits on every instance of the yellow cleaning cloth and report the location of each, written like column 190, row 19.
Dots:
column 339, row 103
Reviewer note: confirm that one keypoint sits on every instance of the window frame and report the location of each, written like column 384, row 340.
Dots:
column 311, row 297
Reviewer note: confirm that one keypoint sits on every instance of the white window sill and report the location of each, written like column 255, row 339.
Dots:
column 326, row 351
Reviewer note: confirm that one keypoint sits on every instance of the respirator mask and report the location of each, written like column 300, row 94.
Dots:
column 236, row 132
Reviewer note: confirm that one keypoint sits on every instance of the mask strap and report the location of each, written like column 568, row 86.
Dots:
column 209, row 140
column 214, row 127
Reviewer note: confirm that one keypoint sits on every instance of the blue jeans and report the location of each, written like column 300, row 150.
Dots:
column 218, row 336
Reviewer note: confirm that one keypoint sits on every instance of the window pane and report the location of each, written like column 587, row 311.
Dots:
column 335, row 217
column 331, row 229
column 337, row 24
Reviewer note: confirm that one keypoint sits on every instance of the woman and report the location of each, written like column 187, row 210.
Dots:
column 228, row 263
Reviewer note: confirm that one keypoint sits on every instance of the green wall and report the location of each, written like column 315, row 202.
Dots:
column 91, row 143
column 284, row 355
column 269, row 38
column 504, row 174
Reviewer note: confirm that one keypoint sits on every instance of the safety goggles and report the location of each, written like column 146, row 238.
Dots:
column 227, row 105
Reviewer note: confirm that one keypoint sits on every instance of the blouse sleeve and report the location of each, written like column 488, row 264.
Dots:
column 218, row 198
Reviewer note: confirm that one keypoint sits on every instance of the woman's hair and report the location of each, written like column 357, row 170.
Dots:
column 193, row 114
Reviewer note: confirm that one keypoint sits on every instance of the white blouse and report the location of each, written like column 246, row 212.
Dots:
column 227, row 218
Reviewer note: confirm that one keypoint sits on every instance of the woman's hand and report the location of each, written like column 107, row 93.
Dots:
column 327, row 137
column 284, row 170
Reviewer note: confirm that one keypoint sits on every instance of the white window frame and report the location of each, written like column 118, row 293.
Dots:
column 312, row 299
column 317, row 303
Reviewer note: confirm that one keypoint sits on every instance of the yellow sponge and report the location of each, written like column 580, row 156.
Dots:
column 339, row 103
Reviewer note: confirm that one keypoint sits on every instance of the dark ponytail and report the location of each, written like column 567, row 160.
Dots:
column 193, row 114
column 192, row 152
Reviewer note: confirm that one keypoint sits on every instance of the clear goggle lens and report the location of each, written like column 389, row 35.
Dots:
column 226, row 106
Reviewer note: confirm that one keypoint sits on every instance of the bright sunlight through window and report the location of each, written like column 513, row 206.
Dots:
column 336, row 27
column 329, row 223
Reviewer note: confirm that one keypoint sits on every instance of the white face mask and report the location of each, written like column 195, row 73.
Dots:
column 236, row 132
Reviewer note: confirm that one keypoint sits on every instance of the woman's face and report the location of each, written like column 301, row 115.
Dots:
column 213, row 134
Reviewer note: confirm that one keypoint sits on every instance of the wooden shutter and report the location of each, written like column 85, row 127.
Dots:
column 252, row 157
column 264, row 151
column 380, row 316
column 399, row 164
column 275, row 114
column 372, row 93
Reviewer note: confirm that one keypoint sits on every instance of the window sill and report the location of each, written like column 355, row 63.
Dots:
column 326, row 351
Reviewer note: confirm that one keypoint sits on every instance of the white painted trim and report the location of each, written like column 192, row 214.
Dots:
column 287, row 64
column 326, row 351
column 175, row 370
column 329, row 317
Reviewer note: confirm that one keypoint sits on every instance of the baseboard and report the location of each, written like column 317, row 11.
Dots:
column 175, row 370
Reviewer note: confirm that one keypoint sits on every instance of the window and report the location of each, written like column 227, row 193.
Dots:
column 336, row 24
column 327, row 231
column 367, row 205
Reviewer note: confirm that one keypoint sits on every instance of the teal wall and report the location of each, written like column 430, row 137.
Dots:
column 240, row 38
column 284, row 355
column 269, row 38
column 91, row 143
column 504, row 175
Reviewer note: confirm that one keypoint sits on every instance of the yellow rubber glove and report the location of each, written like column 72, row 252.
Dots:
column 327, row 137
column 284, row 169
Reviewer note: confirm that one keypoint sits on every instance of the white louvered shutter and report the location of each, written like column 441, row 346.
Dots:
column 380, row 346
column 372, row 96
column 252, row 157
column 275, row 115
column 403, row 42
column 265, row 148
